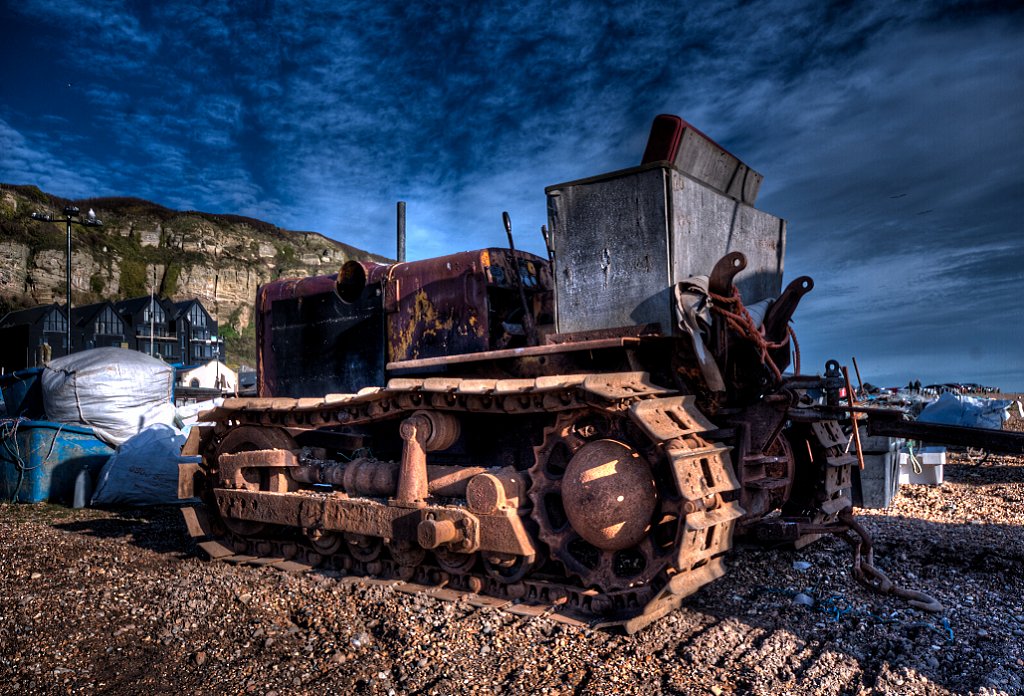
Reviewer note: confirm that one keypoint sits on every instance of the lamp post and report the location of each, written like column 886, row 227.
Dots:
column 90, row 220
column 152, row 312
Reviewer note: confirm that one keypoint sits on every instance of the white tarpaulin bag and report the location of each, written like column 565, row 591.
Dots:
column 969, row 411
column 115, row 391
column 144, row 470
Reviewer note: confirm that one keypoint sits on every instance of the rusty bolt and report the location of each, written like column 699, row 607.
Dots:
column 485, row 494
column 433, row 533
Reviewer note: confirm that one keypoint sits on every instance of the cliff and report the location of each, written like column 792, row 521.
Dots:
column 221, row 259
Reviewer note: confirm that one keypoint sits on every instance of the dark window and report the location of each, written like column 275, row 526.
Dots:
column 158, row 317
column 197, row 316
column 55, row 322
column 107, row 323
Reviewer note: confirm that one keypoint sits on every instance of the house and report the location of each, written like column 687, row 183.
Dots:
column 178, row 332
column 198, row 341
column 212, row 375
column 150, row 328
column 97, row 326
column 30, row 337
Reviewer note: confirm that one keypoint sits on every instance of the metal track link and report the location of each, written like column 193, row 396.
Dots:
column 704, row 478
column 401, row 396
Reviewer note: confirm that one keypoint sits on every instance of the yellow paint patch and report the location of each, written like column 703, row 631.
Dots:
column 598, row 472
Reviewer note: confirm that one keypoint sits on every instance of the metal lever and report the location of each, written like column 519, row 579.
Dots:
column 528, row 325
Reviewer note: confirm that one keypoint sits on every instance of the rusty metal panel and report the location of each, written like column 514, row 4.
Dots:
column 197, row 521
column 612, row 252
column 437, row 307
column 457, row 304
column 216, row 550
column 313, row 342
column 707, row 225
column 693, row 152
column 623, row 239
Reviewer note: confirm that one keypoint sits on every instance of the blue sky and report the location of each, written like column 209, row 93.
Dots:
column 891, row 135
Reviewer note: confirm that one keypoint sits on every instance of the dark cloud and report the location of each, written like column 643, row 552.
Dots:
column 889, row 133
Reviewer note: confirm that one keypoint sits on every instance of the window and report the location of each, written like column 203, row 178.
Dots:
column 197, row 316
column 159, row 319
column 55, row 322
column 107, row 323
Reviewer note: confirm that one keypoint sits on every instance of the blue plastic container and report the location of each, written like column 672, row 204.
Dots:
column 23, row 393
column 41, row 460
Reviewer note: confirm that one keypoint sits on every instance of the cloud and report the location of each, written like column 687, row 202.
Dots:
column 888, row 132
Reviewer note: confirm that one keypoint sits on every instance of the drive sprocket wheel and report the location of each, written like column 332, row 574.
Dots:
column 598, row 501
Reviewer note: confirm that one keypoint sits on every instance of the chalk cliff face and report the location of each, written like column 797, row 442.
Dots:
column 221, row 259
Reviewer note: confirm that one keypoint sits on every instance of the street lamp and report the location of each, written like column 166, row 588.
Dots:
column 90, row 220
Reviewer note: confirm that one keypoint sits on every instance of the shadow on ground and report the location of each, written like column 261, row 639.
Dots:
column 159, row 529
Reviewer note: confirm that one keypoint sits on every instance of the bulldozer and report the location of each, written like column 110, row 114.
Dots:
column 583, row 435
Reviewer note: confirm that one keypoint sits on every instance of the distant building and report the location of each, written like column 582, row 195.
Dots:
column 28, row 337
column 178, row 332
column 198, row 339
column 97, row 326
column 150, row 327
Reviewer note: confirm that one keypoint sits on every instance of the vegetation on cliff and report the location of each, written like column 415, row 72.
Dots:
column 221, row 259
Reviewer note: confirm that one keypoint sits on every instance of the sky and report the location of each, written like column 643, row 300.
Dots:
column 890, row 135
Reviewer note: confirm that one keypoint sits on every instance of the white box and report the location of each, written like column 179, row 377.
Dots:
column 931, row 459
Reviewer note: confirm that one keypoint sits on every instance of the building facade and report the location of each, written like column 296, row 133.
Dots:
column 180, row 333
column 97, row 326
column 198, row 339
column 150, row 326
column 32, row 337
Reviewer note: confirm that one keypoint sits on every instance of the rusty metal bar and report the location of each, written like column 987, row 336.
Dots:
column 996, row 441
column 412, row 476
column 530, row 351
column 528, row 325
column 853, row 418
column 401, row 231
column 856, row 370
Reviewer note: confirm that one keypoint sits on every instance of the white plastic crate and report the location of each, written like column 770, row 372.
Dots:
column 931, row 459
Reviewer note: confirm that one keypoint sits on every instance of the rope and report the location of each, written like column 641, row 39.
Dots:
column 52, row 443
column 914, row 463
column 740, row 321
column 9, row 433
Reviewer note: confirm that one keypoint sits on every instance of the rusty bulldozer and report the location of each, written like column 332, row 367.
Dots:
column 583, row 435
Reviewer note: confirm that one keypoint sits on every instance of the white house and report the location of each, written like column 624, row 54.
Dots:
column 212, row 375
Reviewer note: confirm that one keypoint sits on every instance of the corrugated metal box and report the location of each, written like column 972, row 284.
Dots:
column 931, row 459
column 42, row 459
column 622, row 240
column 876, row 485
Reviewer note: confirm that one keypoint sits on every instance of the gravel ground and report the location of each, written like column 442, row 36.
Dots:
column 122, row 602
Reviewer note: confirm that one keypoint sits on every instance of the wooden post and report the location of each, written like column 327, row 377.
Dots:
column 856, row 370
column 853, row 418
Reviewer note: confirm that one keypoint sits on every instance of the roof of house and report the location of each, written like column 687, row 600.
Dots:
column 182, row 308
column 81, row 316
column 134, row 304
column 30, row 315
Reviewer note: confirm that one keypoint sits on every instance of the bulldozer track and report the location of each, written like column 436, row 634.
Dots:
column 704, row 498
